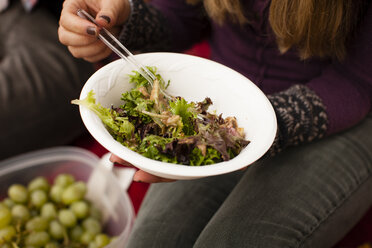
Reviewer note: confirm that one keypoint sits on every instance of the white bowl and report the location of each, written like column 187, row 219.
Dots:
column 193, row 78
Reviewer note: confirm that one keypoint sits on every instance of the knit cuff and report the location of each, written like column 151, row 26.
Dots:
column 301, row 117
column 146, row 29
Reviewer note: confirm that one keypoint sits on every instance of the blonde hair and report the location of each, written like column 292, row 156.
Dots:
column 319, row 28
column 220, row 10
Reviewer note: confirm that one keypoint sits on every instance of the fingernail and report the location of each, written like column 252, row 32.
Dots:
column 106, row 18
column 91, row 30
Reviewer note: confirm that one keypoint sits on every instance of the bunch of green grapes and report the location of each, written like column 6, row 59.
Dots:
column 50, row 215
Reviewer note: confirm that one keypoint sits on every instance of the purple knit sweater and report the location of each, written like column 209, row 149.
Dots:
column 345, row 88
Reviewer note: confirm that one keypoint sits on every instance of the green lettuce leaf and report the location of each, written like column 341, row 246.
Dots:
column 117, row 125
column 187, row 113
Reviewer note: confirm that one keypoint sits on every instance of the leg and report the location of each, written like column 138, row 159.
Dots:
column 309, row 196
column 38, row 79
column 173, row 214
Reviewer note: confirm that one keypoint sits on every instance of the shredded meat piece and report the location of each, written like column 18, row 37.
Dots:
column 144, row 92
column 231, row 126
column 155, row 92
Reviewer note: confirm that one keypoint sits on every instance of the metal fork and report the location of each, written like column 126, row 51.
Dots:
column 104, row 35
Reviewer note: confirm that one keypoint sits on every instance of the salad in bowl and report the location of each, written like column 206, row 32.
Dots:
column 198, row 118
column 169, row 129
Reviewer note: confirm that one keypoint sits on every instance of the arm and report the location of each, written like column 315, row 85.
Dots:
column 335, row 101
column 345, row 87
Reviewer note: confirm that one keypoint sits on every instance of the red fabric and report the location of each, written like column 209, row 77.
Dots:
column 201, row 50
column 360, row 234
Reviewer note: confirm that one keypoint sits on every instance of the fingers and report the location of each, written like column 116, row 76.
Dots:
column 98, row 57
column 81, row 35
column 106, row 17
column 83, row 46
column 113, row 13
column 73, row 23
column 116, row 159
column 142, row 176
column 92, row 52
column 74, row 39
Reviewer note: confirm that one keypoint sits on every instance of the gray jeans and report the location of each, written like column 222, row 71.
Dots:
column 308, row 196
column 38, row 79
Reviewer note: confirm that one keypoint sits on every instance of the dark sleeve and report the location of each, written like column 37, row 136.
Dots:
column 335, row 101
column 346, row 87
column 164, row 25
column 301, row 117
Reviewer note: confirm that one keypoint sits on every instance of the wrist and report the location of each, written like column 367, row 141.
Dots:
column 301, row 117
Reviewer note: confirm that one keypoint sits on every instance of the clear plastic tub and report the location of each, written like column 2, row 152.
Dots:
column 104, row 189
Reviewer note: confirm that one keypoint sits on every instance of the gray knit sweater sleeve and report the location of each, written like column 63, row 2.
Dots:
column 301, row 117
column 146, row 29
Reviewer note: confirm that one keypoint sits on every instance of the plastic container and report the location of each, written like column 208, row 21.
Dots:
column 104, row 189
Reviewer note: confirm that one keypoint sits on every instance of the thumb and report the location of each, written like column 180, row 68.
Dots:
column 113, row 13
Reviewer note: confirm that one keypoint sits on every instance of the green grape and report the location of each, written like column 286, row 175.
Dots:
column 7, row 245
column 56, row 230
column 101, row 240
column 74, row 192
column 76, row 232
column 94, row 212
column 38, row 198
column 6, row 234
column 64, row 180
column 20, row 213
column 75, row 221
column 8, row 202
column 86, row 238
column 92, row 225
column 80, row 209
column 56, row 193
column 5, row 216
column 67, row 218
column 37, row 239
column 81, row 186
column 38, row 183
column 93, row 245
column 48, row 211
column 37, row 224
column 18, row 193
column 52, row 245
